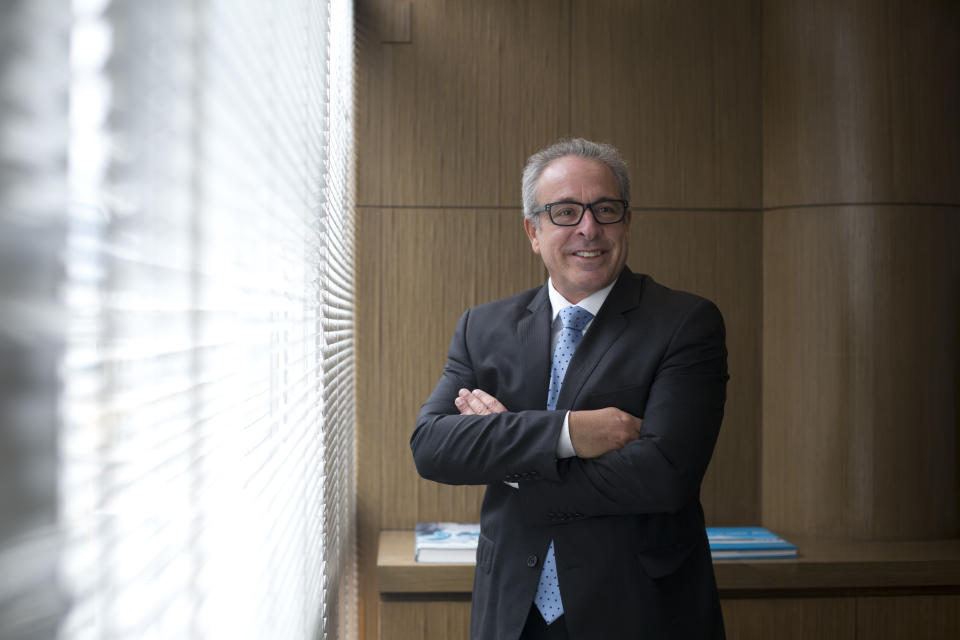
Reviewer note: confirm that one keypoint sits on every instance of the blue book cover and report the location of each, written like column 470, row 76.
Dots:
column 748, row 542
column 446, row 541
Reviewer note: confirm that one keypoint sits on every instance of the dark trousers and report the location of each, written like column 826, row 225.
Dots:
column 537, row 629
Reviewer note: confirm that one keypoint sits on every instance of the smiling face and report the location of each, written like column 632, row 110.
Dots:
column 589, row 256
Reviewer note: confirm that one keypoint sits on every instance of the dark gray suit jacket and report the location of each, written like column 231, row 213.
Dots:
column 628, row 528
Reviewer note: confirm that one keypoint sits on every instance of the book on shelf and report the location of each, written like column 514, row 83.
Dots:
column 446, row 542
column 748, row 543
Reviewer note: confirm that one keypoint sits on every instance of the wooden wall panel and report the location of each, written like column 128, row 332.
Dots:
column 861, row 307
column 443, row 109
column 534, row 85
column 417, row 620
column 370, row 377
column 675, row 86
column 860, row 101
column 440, row 263
column 369, row 104
column 466, row 102
column 717, row 254
column 790, row 618
column 914, row 617
column 420, row 270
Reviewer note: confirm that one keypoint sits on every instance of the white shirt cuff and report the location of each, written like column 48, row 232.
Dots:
column 564, row 445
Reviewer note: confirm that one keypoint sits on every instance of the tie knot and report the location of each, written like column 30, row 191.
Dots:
column 575, row 318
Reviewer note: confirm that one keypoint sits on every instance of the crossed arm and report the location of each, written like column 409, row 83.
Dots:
column 622, row 464
column 592, row 433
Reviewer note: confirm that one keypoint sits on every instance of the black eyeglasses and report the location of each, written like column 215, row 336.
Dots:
column 569, row 214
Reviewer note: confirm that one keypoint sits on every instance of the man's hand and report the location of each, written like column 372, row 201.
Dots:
column 477, row 403
column 594, row 433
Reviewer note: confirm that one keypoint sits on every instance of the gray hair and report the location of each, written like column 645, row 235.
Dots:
column 601, row 152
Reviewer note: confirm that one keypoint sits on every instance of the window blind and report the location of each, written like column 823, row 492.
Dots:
column 33, row 116
column 206, row 447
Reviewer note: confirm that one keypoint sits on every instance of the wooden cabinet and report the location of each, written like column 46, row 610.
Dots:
column 835, row 589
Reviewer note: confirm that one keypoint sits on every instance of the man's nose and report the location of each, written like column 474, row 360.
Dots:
column 588, row 224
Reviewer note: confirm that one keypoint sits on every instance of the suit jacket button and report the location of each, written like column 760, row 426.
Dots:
column 531, row 561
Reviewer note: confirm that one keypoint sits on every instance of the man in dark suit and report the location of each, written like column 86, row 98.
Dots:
column 589, row 407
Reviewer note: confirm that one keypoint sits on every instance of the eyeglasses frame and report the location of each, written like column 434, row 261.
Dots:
column 546, row 208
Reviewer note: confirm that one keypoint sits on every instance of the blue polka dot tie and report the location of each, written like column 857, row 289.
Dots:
column 574, row 319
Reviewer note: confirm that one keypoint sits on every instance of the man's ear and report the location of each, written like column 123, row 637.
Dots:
column 532, row 234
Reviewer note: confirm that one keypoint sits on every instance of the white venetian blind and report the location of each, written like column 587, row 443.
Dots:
column 207, row 453
column 33, row 116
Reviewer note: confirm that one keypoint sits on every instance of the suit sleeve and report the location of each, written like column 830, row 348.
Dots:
column 660, row 472
column 456, row 449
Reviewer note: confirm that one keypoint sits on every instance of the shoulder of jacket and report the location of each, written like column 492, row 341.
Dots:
column 681, row 302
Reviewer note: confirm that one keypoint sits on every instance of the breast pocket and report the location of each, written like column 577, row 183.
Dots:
column 631, row 399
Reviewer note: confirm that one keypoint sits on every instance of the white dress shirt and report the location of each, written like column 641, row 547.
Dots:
column 591, row 303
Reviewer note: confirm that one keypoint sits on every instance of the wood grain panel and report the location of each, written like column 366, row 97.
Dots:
column 717, row 254
column 534, row 85
column 914, row 617
column 675, row 86
column 790, row 619
column 370, row 112
column 441, row 263
column 369, row 377
column 465, row 103
column 439, row 147
column 861, row 307
column 420, row 620
column 418, row 270
column 860, row 101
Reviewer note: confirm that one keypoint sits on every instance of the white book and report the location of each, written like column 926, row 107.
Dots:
column 446, row 542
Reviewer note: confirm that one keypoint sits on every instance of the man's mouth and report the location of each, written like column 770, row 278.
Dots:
column 588, row 254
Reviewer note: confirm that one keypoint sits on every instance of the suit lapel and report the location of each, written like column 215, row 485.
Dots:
column 533, row 333
column 610, row 322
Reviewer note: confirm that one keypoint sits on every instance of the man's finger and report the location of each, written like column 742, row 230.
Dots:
column 492, row 404
column 476, row 405
column 463, row 405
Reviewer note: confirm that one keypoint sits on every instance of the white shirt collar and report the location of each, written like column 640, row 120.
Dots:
column 591, row 303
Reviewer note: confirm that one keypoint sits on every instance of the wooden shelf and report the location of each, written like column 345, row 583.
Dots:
column 823, row 566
